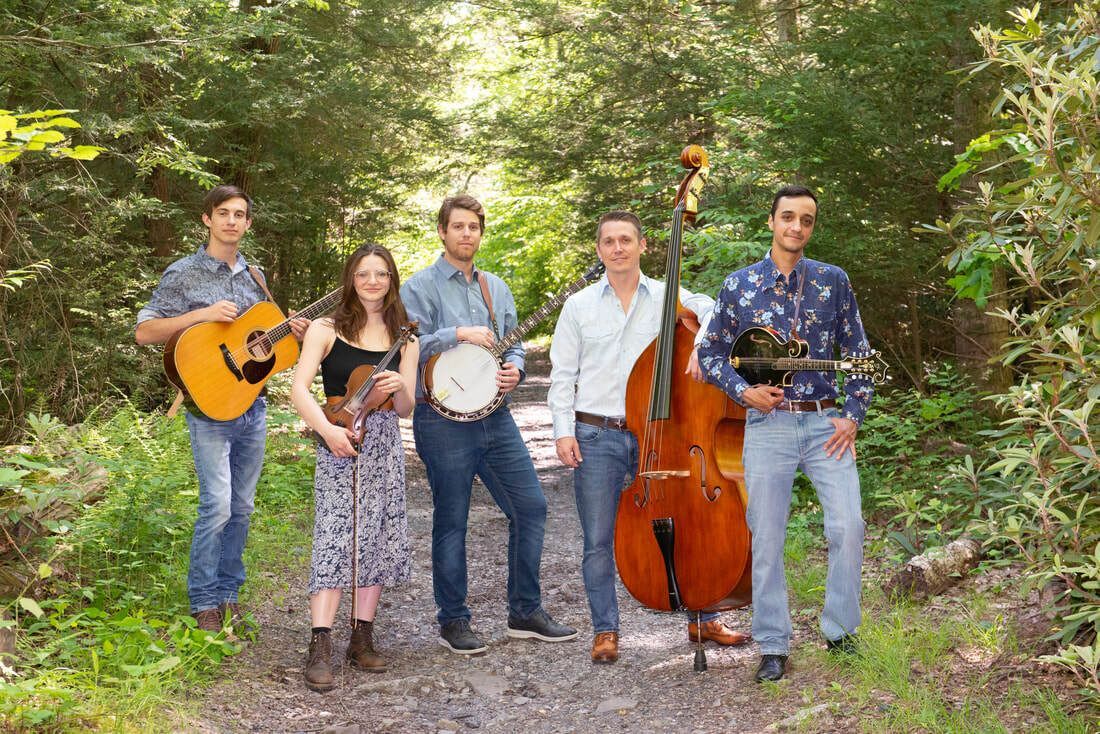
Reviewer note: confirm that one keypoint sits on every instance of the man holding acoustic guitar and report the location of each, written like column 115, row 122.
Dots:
column 456, row 303
column 216, row 284
column 793, row 422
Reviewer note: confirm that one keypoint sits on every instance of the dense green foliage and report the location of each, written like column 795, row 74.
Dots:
column 326, row 114
column 1037, row 210
column 105, row 637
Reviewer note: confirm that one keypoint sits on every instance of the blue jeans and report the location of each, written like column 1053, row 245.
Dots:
column 493, row 449
column 776, row 446
column 228, row 458
column 610, row 461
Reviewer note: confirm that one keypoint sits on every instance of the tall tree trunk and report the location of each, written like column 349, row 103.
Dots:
column 159, row 234
column 916, row 336
column 978, row 336
column 786, row 21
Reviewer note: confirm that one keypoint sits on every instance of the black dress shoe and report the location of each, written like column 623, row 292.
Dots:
column 843, row 645
column 771, row 667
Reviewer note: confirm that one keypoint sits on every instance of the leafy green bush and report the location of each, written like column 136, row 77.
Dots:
column 103, row 627
column 1037, row 211
column 904, row 478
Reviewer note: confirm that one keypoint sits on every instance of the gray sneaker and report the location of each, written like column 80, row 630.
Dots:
column 457, row 637
column 539, row 626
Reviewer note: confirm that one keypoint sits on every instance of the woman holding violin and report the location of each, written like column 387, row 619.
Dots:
column 359, row 485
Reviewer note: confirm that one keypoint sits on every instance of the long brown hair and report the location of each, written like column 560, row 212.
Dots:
column 350, row 317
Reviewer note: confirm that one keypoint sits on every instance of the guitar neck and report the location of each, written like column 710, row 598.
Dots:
column 516, row 334
column 312, row 311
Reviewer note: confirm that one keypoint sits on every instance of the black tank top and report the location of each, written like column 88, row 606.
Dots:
column 337, row 366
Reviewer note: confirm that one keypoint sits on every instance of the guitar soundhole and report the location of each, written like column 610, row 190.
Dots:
column 259, row 345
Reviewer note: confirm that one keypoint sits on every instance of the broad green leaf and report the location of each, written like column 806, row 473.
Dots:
column 31, row 606
column 48, row 136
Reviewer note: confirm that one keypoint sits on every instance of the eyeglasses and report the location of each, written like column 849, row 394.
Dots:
column 379, row 275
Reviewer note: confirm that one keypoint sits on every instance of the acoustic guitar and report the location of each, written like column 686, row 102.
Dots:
column 761, row 356
column 221, row 366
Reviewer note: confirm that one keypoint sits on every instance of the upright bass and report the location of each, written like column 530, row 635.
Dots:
column 681, row 536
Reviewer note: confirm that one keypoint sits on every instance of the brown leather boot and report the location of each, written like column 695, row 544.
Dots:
column 318, row 672
column 361, row 652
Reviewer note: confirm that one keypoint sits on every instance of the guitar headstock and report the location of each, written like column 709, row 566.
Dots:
column 866, row 364
column 594, row 272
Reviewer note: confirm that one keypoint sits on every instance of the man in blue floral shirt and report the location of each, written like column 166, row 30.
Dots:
column 799, row 427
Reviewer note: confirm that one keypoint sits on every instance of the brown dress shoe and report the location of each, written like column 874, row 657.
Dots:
column 318, row 672
column 605, row 648
column 716, row 631
column 209, row 620
column 361, row 653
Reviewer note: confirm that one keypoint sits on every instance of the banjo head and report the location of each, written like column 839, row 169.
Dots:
column 463, row 381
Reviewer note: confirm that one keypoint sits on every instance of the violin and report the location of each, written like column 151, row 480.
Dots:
column 362, row 396
column 682, row 540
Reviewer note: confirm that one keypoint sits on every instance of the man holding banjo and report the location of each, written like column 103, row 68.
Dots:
column 457, row 304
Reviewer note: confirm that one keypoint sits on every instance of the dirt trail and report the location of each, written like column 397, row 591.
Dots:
column 518, row 684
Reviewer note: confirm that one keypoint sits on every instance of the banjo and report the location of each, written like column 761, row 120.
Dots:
column 461, row 383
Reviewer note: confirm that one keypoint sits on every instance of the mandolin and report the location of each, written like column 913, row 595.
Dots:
column 762, row 358
column 221, row 367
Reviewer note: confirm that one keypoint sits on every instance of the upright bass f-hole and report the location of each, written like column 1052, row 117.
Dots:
column 698, row 454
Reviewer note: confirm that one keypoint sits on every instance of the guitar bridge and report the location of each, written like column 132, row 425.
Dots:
column 664, row 473
column 232, row 365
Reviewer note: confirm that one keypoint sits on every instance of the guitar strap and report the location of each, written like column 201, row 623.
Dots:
column 255, row 272
column 484, row 283
column 798, row 300
column 260, row 281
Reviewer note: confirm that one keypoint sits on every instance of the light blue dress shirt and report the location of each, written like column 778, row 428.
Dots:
column 441, row 299
column 596, row 344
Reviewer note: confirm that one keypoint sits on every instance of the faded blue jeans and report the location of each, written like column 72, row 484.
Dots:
column 493, row 449
column 228, row 458
column 610, row 461
column 777, row 444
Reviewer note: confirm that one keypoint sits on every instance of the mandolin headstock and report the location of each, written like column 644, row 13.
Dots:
column 866, row 364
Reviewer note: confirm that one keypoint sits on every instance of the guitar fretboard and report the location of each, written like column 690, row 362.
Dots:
column 791, row 363
column 312, row 311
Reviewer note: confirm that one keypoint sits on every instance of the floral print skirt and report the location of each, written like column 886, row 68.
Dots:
column 382, row 528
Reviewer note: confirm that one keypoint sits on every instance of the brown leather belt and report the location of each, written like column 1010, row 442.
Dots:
column 601, row 421
column 805, row 406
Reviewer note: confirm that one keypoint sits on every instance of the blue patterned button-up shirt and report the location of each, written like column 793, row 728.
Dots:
column 760, row 295
column 198, row 281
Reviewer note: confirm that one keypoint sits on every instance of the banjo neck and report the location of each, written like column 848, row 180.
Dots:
column 521, row 330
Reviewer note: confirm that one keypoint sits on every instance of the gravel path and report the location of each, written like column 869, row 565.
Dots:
column 519, row 684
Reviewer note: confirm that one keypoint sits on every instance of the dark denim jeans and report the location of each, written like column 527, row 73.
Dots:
column 493, row 449
column 228, row 458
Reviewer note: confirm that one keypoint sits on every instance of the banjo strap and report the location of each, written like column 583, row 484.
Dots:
column 484, row 283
